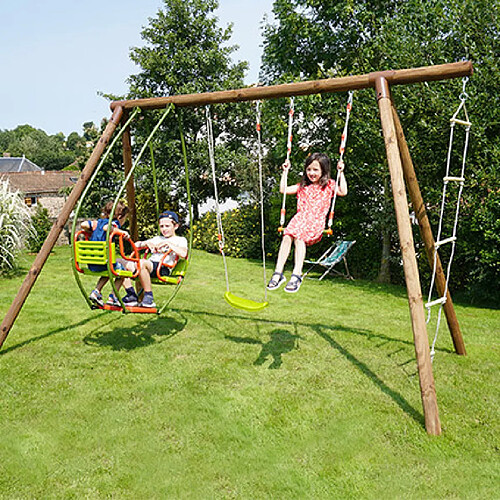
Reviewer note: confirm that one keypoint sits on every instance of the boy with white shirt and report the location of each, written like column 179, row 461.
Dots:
column 176, row 247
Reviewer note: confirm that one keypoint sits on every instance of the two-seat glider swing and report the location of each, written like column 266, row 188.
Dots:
column 105, row 253
column 400, row 167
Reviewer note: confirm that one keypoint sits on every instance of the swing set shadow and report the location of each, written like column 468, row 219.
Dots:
column 139, row 335
column 282, row 342
column 119, row 338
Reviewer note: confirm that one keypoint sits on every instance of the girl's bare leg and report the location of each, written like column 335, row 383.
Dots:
column 300, row 255
column 286, row 245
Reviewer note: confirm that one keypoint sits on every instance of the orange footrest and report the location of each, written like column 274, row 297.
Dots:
column 131, row 309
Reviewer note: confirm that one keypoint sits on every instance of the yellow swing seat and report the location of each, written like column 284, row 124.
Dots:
column 246, row 304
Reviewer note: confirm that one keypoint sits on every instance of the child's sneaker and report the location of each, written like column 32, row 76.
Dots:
column 294, row 284
column 113, row 301
column 130, row 299
column 148, row 301
column 277, row 279
column 96, row 298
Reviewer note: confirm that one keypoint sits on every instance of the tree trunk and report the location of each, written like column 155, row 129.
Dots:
column 384, row 275
column 195, row 208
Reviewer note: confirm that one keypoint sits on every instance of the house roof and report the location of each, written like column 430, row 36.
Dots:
column 8, row 164
column 41, row 182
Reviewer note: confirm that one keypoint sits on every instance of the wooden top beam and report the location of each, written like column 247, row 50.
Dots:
column 342, row 84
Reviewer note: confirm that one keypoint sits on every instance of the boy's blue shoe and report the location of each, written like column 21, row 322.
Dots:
column 130, row 299
column 113, row 301
column 148, row 301
column 96, row 297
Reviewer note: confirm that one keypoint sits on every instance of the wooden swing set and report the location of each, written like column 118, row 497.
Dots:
column 400, row 167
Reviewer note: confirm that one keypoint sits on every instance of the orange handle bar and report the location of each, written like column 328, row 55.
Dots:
column 162, row 263
column 135, row 252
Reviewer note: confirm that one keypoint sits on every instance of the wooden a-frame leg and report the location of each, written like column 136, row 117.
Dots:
column 58, row 226
column 424, row 366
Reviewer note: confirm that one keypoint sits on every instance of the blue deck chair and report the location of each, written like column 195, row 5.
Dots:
column 331, row 258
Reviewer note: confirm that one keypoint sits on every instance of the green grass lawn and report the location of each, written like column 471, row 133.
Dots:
column 315, row 397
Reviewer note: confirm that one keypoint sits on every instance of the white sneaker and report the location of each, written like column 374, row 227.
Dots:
column 148, row 301
column 113, row 301
column 96, row 297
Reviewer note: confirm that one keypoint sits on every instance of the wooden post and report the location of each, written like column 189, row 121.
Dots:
column 426, row 378
column 427, row 236
column 127, row 165
column 58, row 226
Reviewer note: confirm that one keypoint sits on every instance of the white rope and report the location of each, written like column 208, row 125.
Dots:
column 288, row 152
column 261, row 190
column 439, row 242
column 220, row 229
column 343, row 142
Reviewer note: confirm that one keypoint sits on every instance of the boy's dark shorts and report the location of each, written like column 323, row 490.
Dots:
column 165, row 271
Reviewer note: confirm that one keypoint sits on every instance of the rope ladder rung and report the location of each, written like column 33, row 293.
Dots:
column 453, row 179
column 446, row 240
column 441, row 300
column 460, row 122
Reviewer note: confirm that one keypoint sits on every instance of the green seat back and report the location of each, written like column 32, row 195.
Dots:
column 177, row 274
column 95, row 253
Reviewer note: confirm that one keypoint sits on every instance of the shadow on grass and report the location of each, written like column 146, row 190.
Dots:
column 368, row 334
column 64, row 328
column 365, row 370
column 145, row 333
column 281, row 342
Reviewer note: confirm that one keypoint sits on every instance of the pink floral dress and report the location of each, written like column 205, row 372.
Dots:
column 313, row 202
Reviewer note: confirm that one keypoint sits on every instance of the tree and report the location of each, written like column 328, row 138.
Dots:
column 312, row 39
column 186, row 52
column 51, row 152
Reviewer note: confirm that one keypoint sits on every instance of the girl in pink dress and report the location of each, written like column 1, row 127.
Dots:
column 314, row 193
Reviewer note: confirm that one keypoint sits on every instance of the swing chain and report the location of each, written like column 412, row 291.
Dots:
column 211, row 153
column 291, row 112
column 261, row 193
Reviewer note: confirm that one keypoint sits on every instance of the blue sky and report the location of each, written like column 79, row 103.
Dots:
column 55, row 55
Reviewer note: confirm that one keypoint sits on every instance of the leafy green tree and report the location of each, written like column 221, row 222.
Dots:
column 314, row 39
column 51, row 152
column 41, row 223
column 185, row 51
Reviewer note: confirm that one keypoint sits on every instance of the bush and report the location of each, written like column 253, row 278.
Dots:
column 15, row 225
column 242, row 233
column 41, row 224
